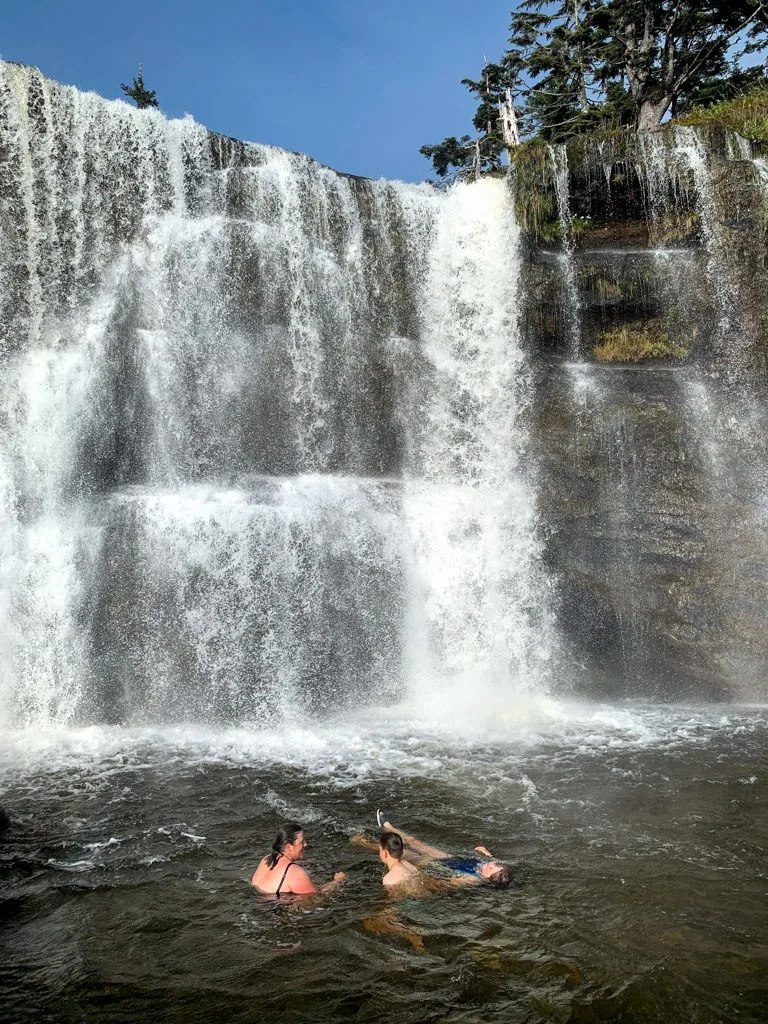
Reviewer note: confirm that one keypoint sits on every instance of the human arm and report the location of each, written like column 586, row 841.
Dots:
column 334, row 883
column 484, row 851
column 425, row 851
column 298, row 882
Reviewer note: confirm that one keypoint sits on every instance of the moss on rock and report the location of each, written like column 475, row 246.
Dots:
column 637, row 343
column 747, row 115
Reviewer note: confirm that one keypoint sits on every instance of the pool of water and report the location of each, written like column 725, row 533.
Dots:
column 638, row 833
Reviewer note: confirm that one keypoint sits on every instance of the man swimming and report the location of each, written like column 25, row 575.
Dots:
column 464, row 870
column 278, row 874
column 399, row 871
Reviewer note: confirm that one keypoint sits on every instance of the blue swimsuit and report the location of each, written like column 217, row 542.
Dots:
column 464, row 865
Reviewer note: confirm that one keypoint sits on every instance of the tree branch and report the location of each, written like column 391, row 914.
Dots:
column 687, row 74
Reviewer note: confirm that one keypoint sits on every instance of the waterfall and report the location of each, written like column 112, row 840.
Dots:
column 467, row 496
column 688, row 148
column 263, row 442
column 559, row 159
column 668, row 456
column 686, row 192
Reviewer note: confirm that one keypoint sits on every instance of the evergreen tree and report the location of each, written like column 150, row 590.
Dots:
column 738, row 81
column 555, row 46
column 141, row 96
column 573, row 65
column 664, row 48
column 482, row 152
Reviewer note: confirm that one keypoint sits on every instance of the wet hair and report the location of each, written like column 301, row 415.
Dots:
column 503, row 878
column 285, row 836
column 392, row 842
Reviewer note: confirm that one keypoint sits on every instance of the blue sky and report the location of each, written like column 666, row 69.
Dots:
column 356, row 84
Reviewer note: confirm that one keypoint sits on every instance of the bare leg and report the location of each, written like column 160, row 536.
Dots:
column 365, row 841
column 386, row 922
column 427, row 852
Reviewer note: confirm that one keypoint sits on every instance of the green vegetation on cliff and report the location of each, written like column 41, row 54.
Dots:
column 535, row 198
column 747, row 115
column 574, row 66
column 635, row 343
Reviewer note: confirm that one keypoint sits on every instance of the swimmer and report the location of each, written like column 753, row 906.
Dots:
column 464, row 870
column 399, row 871
column 402, row 879
column 278, row 874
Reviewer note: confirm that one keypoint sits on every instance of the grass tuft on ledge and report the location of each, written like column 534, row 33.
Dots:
column 747, row 115
column 636, row 343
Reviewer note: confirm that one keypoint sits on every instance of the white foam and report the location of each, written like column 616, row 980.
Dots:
column 376, row 744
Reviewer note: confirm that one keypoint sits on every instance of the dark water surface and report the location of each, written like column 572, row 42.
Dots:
column 639, row 834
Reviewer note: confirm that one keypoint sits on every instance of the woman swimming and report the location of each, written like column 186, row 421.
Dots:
column 278, row 874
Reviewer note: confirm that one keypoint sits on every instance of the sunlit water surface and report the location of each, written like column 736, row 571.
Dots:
column 638, row 833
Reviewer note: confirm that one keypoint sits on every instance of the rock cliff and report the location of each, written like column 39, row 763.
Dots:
column 645, row 307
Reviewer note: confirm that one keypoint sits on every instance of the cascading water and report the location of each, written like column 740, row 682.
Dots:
column 271, row 483
column 674, row 447
column 688, row 149
column 559, row 159
column 262, row 428
column 466, row 496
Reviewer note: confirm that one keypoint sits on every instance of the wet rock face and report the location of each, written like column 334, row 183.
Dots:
column 659, row 591
column 615, row 287
column 651, row 473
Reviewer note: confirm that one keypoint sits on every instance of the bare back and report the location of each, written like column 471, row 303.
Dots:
column 285, row 876
column 402, row 873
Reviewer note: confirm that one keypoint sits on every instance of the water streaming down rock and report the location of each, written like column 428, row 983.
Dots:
column 261, row 435
column 653, row 473
column 468, row 489
column 559, row 158
column 265, row 427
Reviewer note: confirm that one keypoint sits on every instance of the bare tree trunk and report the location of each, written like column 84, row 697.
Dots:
column 651, row 113
column 583, row 98
column 510, row 134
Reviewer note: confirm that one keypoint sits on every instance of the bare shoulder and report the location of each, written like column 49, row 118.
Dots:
column 409, row 885
column 259, row 872
column 402, row 875
column 298, row 881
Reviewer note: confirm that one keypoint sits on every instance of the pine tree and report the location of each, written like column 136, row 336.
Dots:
column 573, row 65
column 555, row 45
column 664, row 48
column 141, row 96
column 480, row 153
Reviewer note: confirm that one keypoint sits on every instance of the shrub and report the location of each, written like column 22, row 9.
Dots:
column 635, row 343
column 747, row 115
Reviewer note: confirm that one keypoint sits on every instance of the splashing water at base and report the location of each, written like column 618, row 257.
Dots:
column 635, row 836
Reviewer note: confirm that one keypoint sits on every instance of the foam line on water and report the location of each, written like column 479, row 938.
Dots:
column 375, row 743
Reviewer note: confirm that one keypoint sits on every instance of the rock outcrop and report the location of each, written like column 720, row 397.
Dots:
column 651, row 473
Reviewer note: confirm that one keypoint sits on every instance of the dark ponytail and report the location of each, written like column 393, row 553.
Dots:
column 286, row 835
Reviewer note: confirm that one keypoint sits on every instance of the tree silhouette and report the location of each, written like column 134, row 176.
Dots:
column 138, row 92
